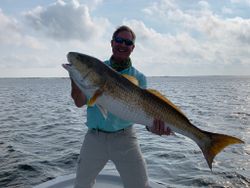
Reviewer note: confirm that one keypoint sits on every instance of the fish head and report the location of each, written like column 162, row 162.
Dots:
column 84, row 64
column 85, row 71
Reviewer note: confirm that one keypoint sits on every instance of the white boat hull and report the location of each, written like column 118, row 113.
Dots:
column 103, row 180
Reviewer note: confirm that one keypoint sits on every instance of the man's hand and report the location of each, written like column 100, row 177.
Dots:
column 159, row 128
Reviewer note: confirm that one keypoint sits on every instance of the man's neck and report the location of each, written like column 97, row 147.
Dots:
column 120, row 65
column 119, row 60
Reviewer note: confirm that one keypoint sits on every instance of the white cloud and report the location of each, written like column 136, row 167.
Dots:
column 19, row 61
column 65, row 21
column 164, row 49
column 173, row 37
column 226, row 10
column 204, row 4
column 246, row 2
column 92, row 4
column 30, row 50
column 220, row 43
column 11, row 33
column 160, row 8
column 212, row 30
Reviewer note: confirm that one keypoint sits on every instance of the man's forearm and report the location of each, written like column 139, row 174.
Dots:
column 77, row 95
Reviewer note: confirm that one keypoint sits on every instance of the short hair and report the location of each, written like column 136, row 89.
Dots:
column 124, row 28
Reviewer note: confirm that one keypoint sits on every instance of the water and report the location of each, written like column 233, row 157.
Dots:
column 42, row 132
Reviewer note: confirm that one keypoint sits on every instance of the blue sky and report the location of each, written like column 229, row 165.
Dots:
column 174, row 37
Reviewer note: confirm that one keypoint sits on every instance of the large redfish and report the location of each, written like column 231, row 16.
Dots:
column 117, row 94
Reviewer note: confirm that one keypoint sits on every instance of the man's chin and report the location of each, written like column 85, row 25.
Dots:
column 121, row 57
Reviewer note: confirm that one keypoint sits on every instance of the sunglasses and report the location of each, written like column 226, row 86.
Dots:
column 122, row 40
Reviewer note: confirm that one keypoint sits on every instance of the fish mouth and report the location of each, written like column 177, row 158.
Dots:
column 66, row 65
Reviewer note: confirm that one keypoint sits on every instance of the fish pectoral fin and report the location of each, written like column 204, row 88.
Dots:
column 131, row 79
column 161, row 96
column 216, row 144
column 103, row 111
column 93, row 99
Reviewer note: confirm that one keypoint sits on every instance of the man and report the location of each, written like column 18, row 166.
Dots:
column 112, row 138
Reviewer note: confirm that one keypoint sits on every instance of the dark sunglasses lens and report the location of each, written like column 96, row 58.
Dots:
column 118, row 40
column 121, row 40
column 128, row 42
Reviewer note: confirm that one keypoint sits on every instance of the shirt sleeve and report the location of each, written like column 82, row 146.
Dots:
column 143, row 81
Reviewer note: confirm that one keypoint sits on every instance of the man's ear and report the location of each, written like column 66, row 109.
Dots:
column 133, row 47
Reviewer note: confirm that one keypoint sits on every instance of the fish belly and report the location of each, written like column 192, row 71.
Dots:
column 126, row 111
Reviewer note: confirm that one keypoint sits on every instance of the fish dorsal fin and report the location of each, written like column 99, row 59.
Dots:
column 131, row 79
column 161, row 96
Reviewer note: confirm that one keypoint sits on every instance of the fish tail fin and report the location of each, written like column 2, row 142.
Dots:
column 216, row 144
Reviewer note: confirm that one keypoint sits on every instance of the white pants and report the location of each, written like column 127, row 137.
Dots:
column 121, row 148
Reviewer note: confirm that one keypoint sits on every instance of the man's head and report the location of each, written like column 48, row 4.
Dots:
column 122, row 43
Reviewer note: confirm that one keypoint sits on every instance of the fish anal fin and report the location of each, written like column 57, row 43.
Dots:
column 158, row 94
column 216, row 144
column 103, row 111
column 131, row 79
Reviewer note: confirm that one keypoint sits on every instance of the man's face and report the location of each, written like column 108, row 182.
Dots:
column 120, row 48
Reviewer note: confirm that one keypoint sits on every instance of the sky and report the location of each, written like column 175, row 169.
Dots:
column 173, row 37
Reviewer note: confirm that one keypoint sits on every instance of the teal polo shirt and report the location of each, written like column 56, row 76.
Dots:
column 112, row 123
